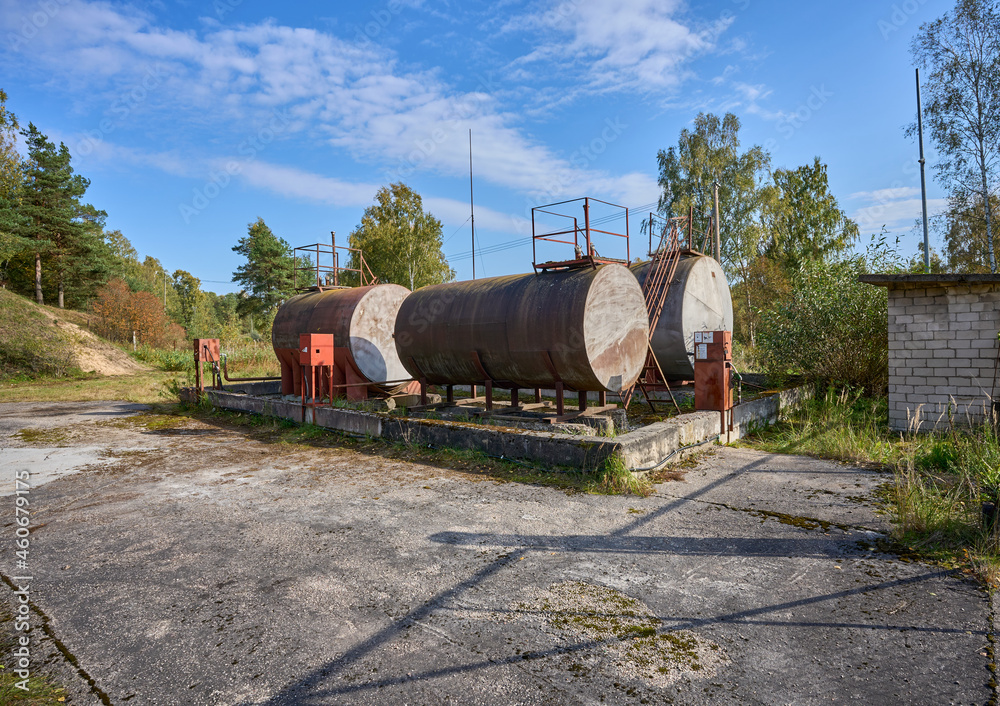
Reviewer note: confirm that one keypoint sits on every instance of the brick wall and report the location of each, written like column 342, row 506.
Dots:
column 942, row 349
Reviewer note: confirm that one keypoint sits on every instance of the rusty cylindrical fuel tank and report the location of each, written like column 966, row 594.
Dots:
column 584, row 328
column 698, row 300
column 361, row 320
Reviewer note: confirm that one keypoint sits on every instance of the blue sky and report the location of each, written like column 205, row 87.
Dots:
column 191, row 119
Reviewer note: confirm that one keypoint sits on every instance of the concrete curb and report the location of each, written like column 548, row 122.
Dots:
column 642, row 449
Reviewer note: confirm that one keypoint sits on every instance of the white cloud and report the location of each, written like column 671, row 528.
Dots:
column 300, row 184
column 893, row 208
column 296, row 183
column 621, row 44
column 884, row 195
column 726, row 75
column 352, row 95
column 454, row 213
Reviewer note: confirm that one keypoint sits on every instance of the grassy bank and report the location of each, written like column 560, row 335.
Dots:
column 146, row 388
column 940, row 481
column 31, row 345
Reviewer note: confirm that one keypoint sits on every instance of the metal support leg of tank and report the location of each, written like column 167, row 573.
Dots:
column 451, row 394
column 538, row 395
column 582, row 397
column 602, row 398
column 489, row 395
column 560, row 406
column 473, row 391
column 303, row 386
column 423, row 391
column 514, row 403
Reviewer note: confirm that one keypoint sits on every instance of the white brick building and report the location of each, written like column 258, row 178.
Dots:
column 942, row 347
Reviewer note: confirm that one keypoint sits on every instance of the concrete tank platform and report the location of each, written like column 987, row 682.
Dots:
column 641, row 449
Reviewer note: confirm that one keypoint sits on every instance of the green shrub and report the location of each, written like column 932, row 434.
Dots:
column 831, row 328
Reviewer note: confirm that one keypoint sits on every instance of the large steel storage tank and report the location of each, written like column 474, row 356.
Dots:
column 698, row 300
column 361, row 320
column 586, row 329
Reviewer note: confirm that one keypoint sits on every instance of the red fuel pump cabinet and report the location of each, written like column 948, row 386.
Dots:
column 713, row 364
column 316, row 359
column 206, row 350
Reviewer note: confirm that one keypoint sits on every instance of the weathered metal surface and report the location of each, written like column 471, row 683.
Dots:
column 698, row 300
column 713, row 360
column 585, row 328
column 361, row 320
column 206, row 350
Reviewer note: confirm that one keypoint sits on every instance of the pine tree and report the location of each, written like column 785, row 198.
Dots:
column 11, row 178
column 266, row 277
column 53, row 217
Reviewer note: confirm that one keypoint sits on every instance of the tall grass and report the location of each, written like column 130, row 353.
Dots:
column 842, row 424
column 615, row 478
column 940, row 480
column 244, row 358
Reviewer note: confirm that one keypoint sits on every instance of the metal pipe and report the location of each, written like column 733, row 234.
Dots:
column 628, row 246
column 333, row 242
column 472, row 206
column 718, row 234
column 366, row 384
column 923, row 180
column 651, row 235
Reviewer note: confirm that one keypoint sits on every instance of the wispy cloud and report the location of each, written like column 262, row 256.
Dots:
column 619, row 44
column 300, row 184
column 896, row 208
column 309, row 186
column 881, row 195
column 350, row 95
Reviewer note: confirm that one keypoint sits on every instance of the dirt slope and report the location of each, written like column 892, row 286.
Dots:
column 92, row 353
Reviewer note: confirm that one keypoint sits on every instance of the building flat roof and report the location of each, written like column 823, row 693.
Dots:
column 893, row 281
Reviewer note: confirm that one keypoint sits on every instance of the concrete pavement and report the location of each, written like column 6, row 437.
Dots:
column 196, row 565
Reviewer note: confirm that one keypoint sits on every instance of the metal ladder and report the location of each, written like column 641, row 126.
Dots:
column 655, row 289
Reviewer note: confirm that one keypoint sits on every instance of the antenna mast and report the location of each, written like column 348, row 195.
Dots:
column 473, row 207
column 923, row 180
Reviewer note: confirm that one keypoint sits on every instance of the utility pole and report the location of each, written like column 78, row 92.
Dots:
column 715, row 218
column 473, row 207
column 923, row 179
column 333, row 244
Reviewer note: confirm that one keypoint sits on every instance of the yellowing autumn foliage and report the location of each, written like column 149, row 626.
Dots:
column 119, row 311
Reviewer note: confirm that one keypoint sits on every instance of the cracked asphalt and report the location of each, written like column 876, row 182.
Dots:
column 190, row 563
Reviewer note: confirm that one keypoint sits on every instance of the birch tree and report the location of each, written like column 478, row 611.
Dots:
column 961, row 53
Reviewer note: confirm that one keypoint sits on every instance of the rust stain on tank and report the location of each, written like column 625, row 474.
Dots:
column 581, row 320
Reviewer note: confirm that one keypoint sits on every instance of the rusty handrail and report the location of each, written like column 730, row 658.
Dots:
column 586, row 230
column 318, row 272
